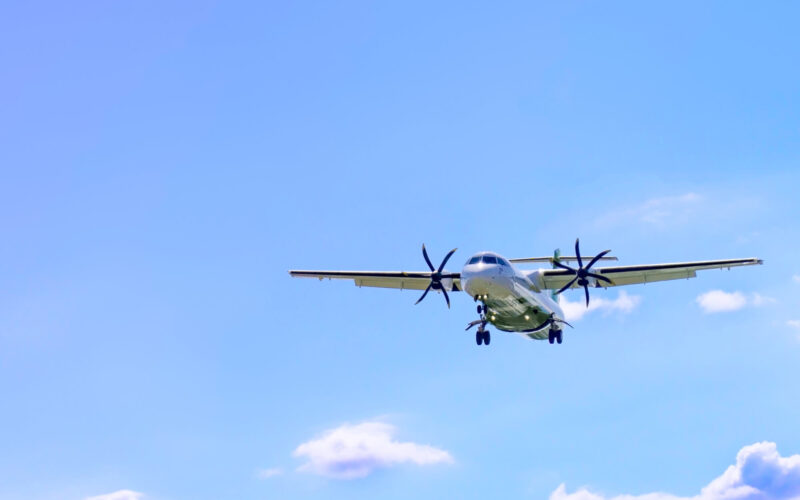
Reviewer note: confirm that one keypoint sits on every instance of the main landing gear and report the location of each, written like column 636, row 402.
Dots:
column 555, row 336
column 482, row 336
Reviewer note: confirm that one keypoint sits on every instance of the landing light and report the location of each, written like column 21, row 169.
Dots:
column 494, row 318
column 527, row 317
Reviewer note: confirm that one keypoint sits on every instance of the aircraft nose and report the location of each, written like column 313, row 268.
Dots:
column 474, row 284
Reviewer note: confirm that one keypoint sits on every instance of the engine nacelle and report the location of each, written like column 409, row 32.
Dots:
column 536, row 280
column 447, row 284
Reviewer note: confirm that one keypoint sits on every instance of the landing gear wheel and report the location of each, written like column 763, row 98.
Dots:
column 479, row 337
column 559, row 336
column 480, row 309
column 486, row 337
column 551, row 337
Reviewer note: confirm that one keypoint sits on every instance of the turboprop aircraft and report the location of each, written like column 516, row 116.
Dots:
column 516, row 300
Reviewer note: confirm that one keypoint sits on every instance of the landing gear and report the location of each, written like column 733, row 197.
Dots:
column 555, row 336
column 551, row 336
column 480, row 309
column 559, row 336
column 482, row 336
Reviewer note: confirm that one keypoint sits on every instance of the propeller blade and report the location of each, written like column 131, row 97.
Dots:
column 586, row 289
column 446, row 297
column 562, row 321
column 567, row 285
column 578, row 252
column 600, row 277
column 563, row 266
column 446, row 258
column 596, row 258
column 425, row 254
column 424, row 293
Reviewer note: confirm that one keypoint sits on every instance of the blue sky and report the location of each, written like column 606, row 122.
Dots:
column 164, row 164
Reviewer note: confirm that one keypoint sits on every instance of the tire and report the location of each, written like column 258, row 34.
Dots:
column 550, row 336
column 480, row 309
column 487, row 337
column 559, row 336
column 479, row 337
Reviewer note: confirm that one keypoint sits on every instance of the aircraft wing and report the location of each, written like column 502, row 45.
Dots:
column 385, row 279
column 554, row 279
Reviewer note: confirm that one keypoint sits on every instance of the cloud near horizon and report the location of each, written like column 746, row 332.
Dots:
column 760, row 473
column 355, row 451
column 716, row 301
column 119, row 495
column 574, row 311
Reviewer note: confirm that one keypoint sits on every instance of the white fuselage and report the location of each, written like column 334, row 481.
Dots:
column 513, row 298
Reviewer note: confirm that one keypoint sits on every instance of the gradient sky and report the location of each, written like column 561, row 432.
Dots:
column 163, row 164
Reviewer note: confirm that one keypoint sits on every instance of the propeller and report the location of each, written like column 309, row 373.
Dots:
column 436, row 275
column 582, row 272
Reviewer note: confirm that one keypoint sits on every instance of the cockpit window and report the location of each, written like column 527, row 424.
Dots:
column 503, row 262
column 489, row 259
column 474, row 260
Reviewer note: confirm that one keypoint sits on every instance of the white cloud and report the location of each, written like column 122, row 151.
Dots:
column 119, row 495
column 355, row 451
column 760, row 473
column 719, row 301
column 796, row 278
column 655, row 211
column 624, row 303
column 268, row 473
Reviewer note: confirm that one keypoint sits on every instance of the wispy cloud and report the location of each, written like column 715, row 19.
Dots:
column 760, row 473
column 794, row 323
column 355, row 451
column 655, row 211
column 624, row 303
column 716, row 301
column 268, row 473
column 119, row 495
column 796, row 278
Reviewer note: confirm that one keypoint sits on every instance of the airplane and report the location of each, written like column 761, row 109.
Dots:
column 523, row 301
